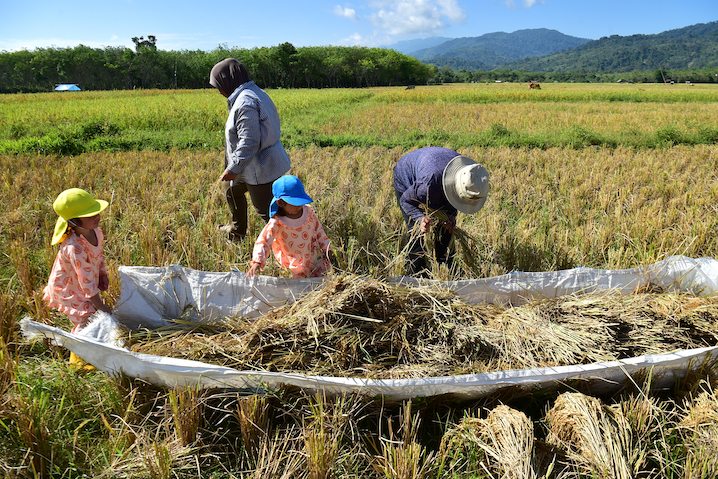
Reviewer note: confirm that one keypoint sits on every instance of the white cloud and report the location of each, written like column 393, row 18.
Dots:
column 346, row 12
column 354, row 40
column 414, row 17
column 524, row 3
column 452, row 10
column 14, row 45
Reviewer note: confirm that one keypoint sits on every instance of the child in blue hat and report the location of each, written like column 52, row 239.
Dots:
column 293, row 233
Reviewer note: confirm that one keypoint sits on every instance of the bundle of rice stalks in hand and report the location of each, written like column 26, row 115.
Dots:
column 468, row 247
column 596, row 437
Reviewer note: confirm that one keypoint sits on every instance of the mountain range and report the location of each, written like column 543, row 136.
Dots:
column 544, row 50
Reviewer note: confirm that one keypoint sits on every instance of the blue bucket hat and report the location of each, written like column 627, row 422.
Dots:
column 288, row 188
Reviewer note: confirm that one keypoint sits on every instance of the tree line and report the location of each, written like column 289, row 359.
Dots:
column 281, row 66
column 446, row 74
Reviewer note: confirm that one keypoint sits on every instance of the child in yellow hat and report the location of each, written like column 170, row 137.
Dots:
column 78, row 274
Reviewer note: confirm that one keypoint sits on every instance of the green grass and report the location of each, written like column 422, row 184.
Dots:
column 161, row 120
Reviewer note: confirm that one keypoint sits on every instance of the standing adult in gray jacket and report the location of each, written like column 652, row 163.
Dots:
column 254, row 156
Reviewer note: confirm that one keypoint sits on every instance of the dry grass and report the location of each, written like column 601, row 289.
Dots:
column 699, row 428
column 607, row 209
column 32, row 422
column 277, row 457
column 253, row 417
column 526, row 116
column 187, row 413
column 324, row 434
column 401, row 456
column 502, row 445
column 356, row 326
column 597, row 437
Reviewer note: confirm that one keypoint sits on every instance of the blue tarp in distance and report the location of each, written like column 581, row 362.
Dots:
column 67, row 87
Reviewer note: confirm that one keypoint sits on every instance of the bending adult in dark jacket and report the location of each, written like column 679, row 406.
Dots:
column 436, row 179
column 254, row 155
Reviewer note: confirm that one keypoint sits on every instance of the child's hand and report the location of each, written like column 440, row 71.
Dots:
column 253, row 269
column 99, row 305
column 105, row 308
column 104, row 283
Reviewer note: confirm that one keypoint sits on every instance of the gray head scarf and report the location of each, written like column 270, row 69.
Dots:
column 227, row 75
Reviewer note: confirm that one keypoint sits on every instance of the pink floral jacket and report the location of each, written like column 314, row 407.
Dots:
column 299, row 245
column 75, row 275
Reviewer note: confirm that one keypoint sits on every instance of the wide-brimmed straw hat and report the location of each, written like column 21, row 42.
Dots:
column 288, row 188
column 74, row 203
column 466, row 184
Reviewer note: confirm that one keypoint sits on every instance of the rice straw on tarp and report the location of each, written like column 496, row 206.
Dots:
column 364, row 327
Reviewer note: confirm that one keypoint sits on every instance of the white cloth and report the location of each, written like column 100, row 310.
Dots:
column 172, row 372
column 149, row 296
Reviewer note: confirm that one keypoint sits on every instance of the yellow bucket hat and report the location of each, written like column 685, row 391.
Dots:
column 74, row 203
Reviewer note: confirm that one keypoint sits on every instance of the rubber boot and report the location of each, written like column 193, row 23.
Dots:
column 77, row 360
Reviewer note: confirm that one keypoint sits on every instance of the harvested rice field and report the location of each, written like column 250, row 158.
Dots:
column 580, row 177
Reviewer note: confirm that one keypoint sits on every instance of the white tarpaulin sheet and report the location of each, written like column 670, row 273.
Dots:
column 172, row 372
column 150, row 296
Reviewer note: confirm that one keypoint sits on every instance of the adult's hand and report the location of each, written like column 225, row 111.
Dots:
column 425, row 224
column 228, row 175
column 449, row 225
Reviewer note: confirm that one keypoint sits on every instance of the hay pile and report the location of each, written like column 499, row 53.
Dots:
column 366, row 327
column 504, row 439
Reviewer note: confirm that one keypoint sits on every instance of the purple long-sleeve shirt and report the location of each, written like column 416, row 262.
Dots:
column 417, row 178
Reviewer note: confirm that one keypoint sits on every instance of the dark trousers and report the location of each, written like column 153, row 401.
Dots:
column 416, row 263
column 234, row 192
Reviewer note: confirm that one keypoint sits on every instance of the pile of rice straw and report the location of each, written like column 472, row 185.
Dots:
column 356, row 326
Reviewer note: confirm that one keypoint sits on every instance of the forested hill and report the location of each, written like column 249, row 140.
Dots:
column 692, row 47
column 492, row 50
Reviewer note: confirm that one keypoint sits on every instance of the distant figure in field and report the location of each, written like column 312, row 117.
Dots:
column 534, row 86
column 435, row 181
column 254, row 155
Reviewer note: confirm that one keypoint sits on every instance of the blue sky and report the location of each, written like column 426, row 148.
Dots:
column 192, row 25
